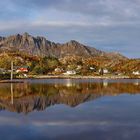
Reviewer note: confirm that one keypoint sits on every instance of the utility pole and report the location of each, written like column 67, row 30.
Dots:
column 12, row 70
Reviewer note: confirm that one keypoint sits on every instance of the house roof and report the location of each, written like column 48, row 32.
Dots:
column 19, row 67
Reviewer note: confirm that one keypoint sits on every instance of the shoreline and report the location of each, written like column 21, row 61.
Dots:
column 80, row 77
column 21, row 80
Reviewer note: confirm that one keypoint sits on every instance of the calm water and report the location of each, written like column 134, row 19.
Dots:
column 70, row 110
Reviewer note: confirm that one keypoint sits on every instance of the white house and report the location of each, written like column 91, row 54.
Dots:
column 136, row 73
column 105, row 71
column 58, row 70
column 71, row 72
column 92, row 68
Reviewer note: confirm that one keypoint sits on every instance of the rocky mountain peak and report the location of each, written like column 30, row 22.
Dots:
column 73, row 42
column 40, row 46
column 26, row 34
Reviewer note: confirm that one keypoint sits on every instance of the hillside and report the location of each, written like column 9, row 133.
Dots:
column 128, row 65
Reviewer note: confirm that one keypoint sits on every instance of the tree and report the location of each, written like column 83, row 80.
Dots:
column 5, row 62
column 50, row 62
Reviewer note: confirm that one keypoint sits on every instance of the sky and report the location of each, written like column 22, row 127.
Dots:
column 109, row 25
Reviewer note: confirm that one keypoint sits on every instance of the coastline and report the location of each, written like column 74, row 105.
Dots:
column 21, row 80
column 81, row 77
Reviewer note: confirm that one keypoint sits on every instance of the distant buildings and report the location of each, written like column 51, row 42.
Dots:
column 92, row 68
column 58, row 70
column 103, row 71
column 136, row 73
column 71, row 72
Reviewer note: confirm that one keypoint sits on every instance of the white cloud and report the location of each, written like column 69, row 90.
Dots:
column 104, row 23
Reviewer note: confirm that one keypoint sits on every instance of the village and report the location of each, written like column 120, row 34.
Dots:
column 25, row 72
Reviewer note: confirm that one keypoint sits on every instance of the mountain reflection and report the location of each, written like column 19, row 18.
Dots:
column 27, row 97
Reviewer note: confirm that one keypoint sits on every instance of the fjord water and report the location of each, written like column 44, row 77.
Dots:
column 64, row 109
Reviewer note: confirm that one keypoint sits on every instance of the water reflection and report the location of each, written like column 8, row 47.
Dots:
column 32, row 96
column 72, row 109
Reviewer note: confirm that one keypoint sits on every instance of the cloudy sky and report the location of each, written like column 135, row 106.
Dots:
column 110, row 25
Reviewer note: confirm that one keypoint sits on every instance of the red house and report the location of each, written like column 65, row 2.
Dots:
column 22, row 69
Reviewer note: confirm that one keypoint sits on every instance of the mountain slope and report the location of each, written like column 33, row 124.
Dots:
column 40, row 46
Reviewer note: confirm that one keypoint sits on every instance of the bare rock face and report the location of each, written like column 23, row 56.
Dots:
column 40, row 46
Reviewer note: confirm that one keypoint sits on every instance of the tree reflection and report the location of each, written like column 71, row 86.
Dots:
column 26, row 97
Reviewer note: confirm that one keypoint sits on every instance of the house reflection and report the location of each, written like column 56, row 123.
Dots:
column 136, row 82
column 105, row 83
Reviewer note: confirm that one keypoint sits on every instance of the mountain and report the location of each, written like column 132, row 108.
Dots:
column 40, row 46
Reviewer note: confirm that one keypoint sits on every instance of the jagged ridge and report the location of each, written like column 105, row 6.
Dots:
column 40, row 46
